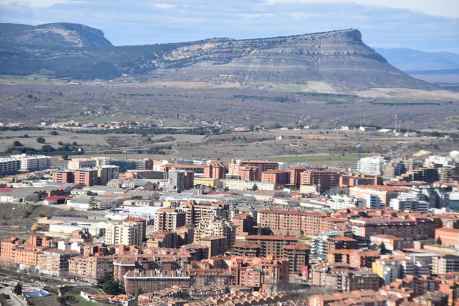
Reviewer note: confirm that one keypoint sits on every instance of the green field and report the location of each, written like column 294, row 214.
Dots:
column 346, row 159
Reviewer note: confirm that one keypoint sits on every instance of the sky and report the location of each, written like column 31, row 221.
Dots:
column 429, row 25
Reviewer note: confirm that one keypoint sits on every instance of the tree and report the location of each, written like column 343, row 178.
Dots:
column 382, row 248
column 40, row 139
column 18, row 289
column 47, row 149
column 113, row 287
column 138, row 291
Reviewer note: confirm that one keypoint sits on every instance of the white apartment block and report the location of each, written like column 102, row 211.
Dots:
column 81, row 163
column 9, row 166
column 125, row 233
column 373, row 165
column 33, row 162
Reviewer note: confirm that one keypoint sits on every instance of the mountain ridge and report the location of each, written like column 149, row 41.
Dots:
column 64, row 50
column 412, row 60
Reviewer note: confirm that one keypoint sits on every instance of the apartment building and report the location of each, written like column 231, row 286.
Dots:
column 353, row 298
column 244, row 224
column 260, row 273
column 55, row 262
column 81, row 163
column 344, row 278
column 106, row 173
column 180, row 180
column 204, row 212
column 295, row 176
column 86, row 177
column 272, row 245
column 373, row 165
column 448, row 237
column 26, row 254
column 126, row 233
column 151, row 281
column 9, row 166
column 445, row 264
column 91, row 268
column 414, row 228
column 214, row 169
column 251, row 169
column 321, row 179
column 298, row 258
column 13, row 252
column 346, row 181
column 168, row 219
column 215, row 245
column 388, row 269
column 33, row 162
column 64, row 177
column 391, row 242
column 291, row 221
column 376, row 196
column 245, row 248
column 249, row 174
column 216, row 228
column 276, row 177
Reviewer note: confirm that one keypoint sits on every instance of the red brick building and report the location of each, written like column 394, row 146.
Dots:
column 295, row 176
column 64, row 177
column 86, row 177
column 276, row 177
column 356, row 180
column 448, row 237
column 298, row 257
column 291, row 221
column 244, row 224
column 323, row 179
column 250, row 170
column 272, row 245
column 91, row 268
column 412, row 228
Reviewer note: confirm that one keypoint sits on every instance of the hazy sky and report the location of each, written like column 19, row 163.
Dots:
column 421, row 24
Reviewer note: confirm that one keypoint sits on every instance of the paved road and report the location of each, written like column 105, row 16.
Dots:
column 13, row 300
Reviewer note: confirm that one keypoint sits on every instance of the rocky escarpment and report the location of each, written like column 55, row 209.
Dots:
column 337, row 58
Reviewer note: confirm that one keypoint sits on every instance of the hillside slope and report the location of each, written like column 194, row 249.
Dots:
column 338, row 59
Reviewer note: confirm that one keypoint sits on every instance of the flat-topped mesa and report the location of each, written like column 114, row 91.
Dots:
column 225, row 50
column 345, row 34
column 338, row 58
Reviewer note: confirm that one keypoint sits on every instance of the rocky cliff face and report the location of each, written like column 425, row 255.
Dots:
column 337, row 58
